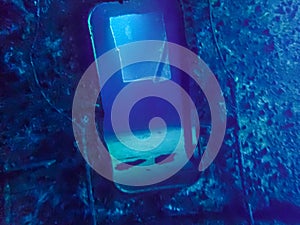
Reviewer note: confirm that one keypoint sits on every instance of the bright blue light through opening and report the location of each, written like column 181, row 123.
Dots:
column 112, row 25
column 138, row 27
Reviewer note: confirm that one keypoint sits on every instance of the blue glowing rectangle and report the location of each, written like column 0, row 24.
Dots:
column 138, row 27
column 112, row 25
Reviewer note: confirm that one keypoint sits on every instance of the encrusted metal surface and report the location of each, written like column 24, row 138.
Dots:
column 252, row 47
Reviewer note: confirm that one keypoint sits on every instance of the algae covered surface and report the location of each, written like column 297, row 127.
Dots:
column 253, row 49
